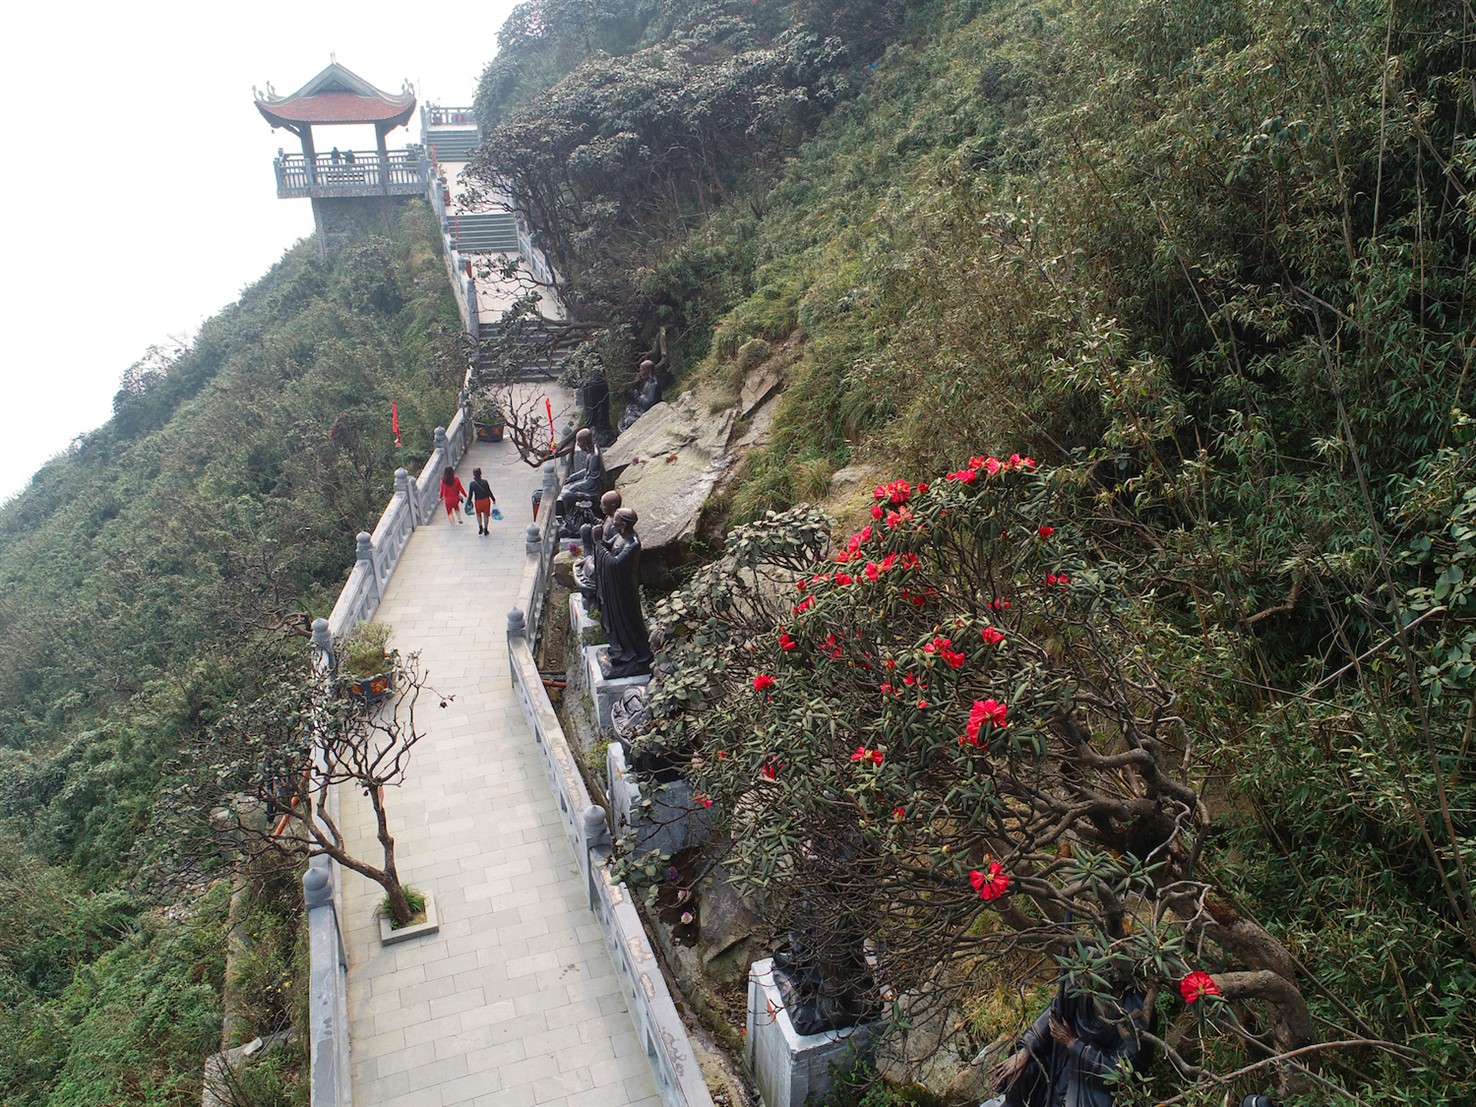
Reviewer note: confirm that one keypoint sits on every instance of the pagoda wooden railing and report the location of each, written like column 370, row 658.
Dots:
column 351, row 173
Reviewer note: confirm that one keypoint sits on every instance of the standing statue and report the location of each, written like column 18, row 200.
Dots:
column 591, row 534
column 594, row 398
column 618, row 561
column 586, row 484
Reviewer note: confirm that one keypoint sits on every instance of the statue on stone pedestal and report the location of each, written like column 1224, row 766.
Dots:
column 825, row 982
column 585, row 577
column 585, row 485
column 617, row 561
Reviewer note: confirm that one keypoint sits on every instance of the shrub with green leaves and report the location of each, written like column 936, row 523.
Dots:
column 961, row 713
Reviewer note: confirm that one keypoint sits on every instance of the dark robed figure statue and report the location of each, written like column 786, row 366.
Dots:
column 617, row 565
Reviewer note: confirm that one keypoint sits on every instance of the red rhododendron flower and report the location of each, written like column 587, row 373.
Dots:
column 990, row 886
column 887, row 562
column 804, row 605
column 938, row 643
column 992, row 466
column 1057, row 580
column 770, row 769
column 991, row 636
column 963, row 476
column 909, row 680
column 890, row 663
column 922, row 705
column 843, row 578
column 923, row 487
column 702, row 798
column 886, row 689
column 1046, row 532
column 911, row 561
column 899, row 813
column 896, row 491
column 873, row 571
column 861, row 754
column 722, row 754
column 762, row 681
column 954, row 658
column 977, row 462
column 785, row 641
column 1197, row 985
column 876, row 511
column 998, row 605
column 831, row 647
column 991, row 711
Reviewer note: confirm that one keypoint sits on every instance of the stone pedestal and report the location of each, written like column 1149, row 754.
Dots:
column 605, row 690
column 790, row 1068
column 673, row 821
column 580, row 620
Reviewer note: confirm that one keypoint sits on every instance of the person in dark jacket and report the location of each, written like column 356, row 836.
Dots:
column 1064, row 1058
column 480, row 494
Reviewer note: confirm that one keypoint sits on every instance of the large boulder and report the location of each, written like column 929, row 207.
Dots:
column 667, row 465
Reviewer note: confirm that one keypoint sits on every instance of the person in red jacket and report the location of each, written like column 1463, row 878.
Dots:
column 452, row 493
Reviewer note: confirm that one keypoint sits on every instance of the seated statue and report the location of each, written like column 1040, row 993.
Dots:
column 1072, row 1049
column 584, row 485
column 647, row 394
column 617, row 574
column 825, row 984
column 585, row 577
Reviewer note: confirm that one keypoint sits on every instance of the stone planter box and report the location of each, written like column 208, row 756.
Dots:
column 489, row 432
column 390, row 937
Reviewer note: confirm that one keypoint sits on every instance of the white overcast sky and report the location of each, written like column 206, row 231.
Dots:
column 138, row 190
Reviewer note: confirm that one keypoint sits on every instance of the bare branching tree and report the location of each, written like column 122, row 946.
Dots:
column 277, row 759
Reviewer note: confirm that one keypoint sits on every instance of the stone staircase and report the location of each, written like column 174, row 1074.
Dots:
column 453, row 144
column 493, row 232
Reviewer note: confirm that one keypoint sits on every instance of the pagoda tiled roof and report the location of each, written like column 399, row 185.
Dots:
column 337, row 95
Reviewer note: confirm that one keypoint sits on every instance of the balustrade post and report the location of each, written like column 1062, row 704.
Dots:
column 323, row 642
column 443, row 444
column 550, row 484
column 364, row 553
column 406, row 490
column 532, row 538
column 468, row 432
column 517, row 623
column 474, row 317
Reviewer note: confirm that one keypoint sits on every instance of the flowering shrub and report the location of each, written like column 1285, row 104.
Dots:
column 958, row 723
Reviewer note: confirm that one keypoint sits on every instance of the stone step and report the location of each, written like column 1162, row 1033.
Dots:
column 453, row 145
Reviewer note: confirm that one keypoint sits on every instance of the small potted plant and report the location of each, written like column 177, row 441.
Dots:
column 490, row 421
column 366, row 664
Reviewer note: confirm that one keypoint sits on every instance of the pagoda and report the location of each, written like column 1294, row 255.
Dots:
column 344, row 185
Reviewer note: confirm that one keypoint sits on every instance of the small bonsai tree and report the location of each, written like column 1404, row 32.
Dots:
column 364, row 651
column 273, row 762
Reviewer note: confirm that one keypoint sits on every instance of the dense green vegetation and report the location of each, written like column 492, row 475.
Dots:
column 140, row 574
column 1210, row 261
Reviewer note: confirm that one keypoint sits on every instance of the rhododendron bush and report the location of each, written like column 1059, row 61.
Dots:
column 945, row 733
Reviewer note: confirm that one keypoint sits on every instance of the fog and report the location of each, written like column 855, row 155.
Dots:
column 140, row 193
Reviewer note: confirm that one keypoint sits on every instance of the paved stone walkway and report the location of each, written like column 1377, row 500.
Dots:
column 514, row 1001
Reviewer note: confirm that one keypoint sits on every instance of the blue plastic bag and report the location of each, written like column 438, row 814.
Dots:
column 497, row 514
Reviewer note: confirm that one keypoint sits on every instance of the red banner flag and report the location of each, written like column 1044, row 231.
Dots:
column 395, row 422
column 549, row 407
